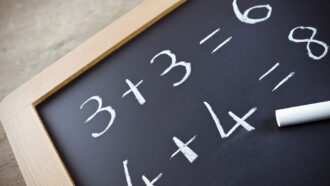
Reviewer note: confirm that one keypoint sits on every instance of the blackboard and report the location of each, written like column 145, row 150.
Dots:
column 227, row 83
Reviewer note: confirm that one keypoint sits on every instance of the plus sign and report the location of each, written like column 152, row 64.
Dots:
column 135, row 91
column 183, row 147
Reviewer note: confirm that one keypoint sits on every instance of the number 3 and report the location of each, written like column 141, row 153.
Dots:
column 174, row 64
column 108, row 109
column 245, row 16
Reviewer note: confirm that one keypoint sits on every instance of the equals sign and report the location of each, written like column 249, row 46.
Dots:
column 281, row 82
column 210, row 36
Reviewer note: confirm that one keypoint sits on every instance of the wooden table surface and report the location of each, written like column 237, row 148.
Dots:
column 36, row 33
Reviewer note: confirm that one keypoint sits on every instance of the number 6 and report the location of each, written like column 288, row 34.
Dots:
column 245, row 18
column 109, row 109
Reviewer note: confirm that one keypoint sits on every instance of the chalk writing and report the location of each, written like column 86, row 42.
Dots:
column 135, row 91
column 174, row 64
column 221, row 45
column 183, row 148
column 100, row 108
column 240, row 121
column 209, row 36
column 144, row 178
column 151, row 183
column 269, row 71
column 281, row 82
column 245, row 16
column 186, row 151
column 284, row 80
column 309, row 41
column 128, row 178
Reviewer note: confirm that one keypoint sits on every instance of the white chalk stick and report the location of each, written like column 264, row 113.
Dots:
column 303, row 114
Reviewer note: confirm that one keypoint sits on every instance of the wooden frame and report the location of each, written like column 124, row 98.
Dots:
column 35, row 153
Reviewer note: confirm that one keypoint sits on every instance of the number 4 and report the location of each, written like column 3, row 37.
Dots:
column 100, row 108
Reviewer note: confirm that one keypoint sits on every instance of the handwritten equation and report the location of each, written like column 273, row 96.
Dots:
column 183, row 147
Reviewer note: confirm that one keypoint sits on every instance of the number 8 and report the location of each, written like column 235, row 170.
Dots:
column 245, row 18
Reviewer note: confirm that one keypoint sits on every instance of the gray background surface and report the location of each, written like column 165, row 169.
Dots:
column 36, row 33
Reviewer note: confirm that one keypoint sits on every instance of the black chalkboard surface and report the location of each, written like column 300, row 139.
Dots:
column 218, row 79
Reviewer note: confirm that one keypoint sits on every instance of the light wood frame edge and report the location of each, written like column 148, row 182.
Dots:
column 34, row 151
